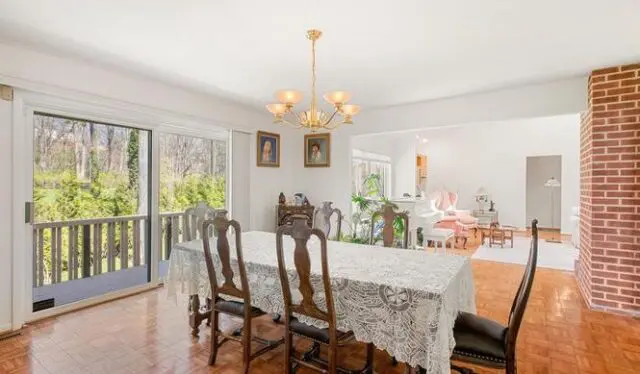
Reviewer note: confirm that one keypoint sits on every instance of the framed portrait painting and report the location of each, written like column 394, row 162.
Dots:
column 317, row 150
column 268, row 149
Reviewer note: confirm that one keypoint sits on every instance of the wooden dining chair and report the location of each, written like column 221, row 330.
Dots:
column 322, row 219
column 484, row 342
column 389, row 215
column 306, row 306
column 195, row 216
column 241, row 309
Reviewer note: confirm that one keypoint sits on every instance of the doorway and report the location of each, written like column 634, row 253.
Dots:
column 544, row 191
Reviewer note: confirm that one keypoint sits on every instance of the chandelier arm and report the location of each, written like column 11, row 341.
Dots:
column 331, row 118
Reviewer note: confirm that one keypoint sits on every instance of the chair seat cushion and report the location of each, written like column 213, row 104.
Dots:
column 479, row 337
column 314, row 333
column 235, row 308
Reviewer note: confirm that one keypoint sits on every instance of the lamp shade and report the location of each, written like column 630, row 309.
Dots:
column 552, row 182
column 482, row 192
column 337, row 97
column 291, row 97
column 350, row 109
column 277, row 109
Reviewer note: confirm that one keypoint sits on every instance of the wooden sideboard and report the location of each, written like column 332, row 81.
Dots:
column 284, row 213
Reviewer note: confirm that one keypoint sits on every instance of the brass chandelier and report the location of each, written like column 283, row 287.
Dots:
column 314, row 118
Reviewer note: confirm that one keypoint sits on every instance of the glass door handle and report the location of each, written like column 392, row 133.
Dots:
column 28, row 212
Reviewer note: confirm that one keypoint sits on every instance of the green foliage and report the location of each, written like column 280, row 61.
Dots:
column 187, row 192
column 133, row 165
column 372, row 185
column 364, row 206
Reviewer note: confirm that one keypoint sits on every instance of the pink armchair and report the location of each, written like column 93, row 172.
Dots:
column 460, row 221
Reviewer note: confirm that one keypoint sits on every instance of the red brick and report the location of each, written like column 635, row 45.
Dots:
column 606, row 143
column 630, row 67
column 631, row 112
column 627, row 149
column 624, row 105
column 621, row 91
column 630, row 217
column 635, row 141
column 617, row 120
column 611, row 179
column 617, row 283
column 605, row 289
column 614, row 157
column 622, row 299
column 630, row 277
column 619, row 76
column 621, row 165
column 605, row 71
column 606, row 274
column 633, row 293
column 616, row 253
column 630, row 97
column 627, row 82
column 625, row 224
column 607, row 114
column 621, row 134
column 630, row 126
column 620, row 194
column 607, row 99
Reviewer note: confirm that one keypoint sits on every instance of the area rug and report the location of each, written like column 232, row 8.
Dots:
column 559, row 256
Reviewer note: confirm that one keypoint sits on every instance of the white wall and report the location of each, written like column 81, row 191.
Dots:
column 5, row 216
column 494, row 155
column 268, row 182
column 404, row 167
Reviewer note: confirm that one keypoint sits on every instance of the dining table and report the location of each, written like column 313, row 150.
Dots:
column 403, row 301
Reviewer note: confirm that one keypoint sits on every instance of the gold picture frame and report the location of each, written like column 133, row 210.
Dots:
column 317, row 150
column 267, row 149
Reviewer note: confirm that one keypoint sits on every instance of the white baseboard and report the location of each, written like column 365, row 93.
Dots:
column 90, row 302
column 5, row 328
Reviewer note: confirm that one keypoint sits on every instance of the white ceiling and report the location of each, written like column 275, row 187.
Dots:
column 385, row 52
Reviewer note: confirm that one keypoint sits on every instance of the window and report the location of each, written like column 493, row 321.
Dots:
column 371, row 174
column 192, row 170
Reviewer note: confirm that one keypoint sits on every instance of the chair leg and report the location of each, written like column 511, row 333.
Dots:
column 394, row 362
column 246, row 345
column 333, row 359
column 288, row 350
column 370, row 352
column 214, row 338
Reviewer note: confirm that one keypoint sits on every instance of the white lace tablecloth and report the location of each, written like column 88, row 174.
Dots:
column 404, row 301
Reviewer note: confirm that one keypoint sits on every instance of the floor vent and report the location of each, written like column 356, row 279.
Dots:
column 44, row 304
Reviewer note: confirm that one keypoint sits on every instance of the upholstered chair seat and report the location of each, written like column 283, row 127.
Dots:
column 481, row 339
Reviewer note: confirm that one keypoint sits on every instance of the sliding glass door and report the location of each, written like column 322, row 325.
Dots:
column 91, row 209
column 192, row 170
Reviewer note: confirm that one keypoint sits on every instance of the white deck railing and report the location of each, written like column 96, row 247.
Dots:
column 75, row 249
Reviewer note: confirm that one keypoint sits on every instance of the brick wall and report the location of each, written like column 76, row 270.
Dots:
column 609, row 264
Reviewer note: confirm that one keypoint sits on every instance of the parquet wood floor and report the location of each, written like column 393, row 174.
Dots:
column 147, row 333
